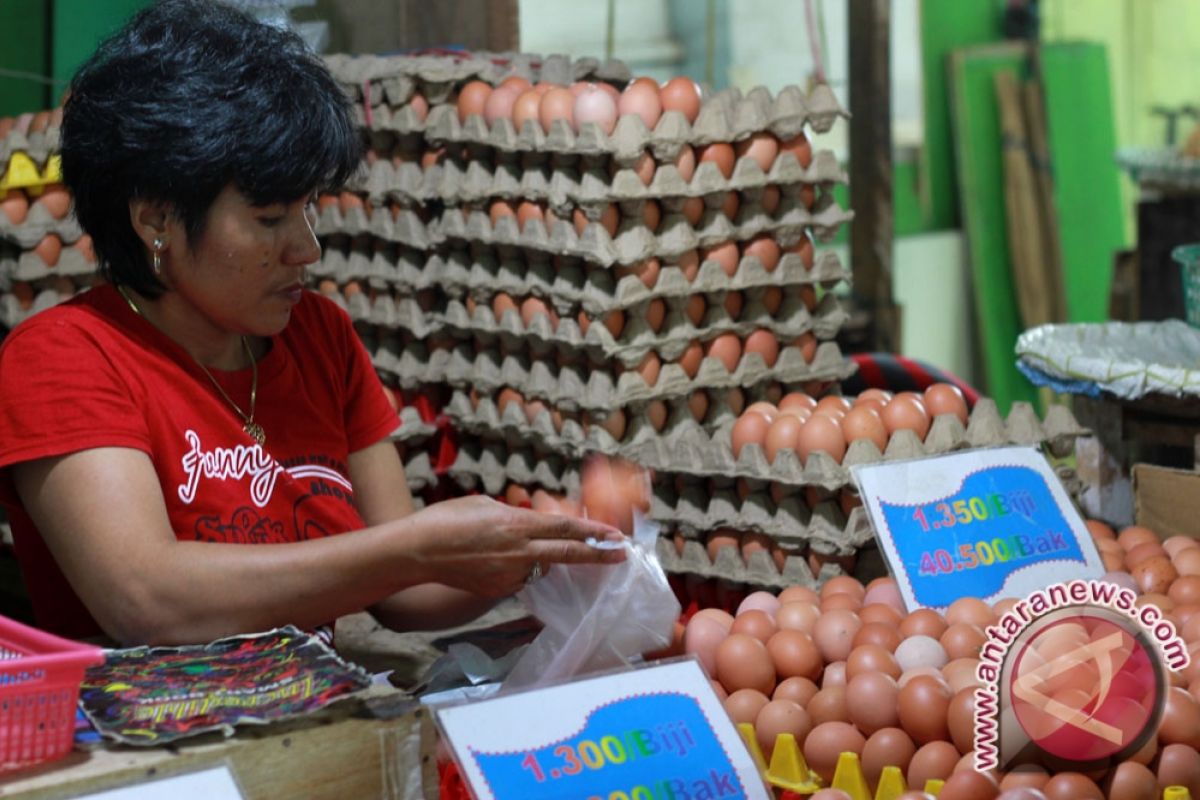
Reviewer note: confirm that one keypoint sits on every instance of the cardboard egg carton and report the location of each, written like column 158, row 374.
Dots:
column 413, row 429
column 405, row 227
column 727, row 116
column 695, row 452
column 699, row 508
column 12, row 314
column 38, row 146
column 418, row 471
column 571, row 388
column 598, row 291
column 28, row 266
column 490, row 466
column 36, row 225
column 759, row 570
column 634, row 242
column 588, row 184
column 394, row 79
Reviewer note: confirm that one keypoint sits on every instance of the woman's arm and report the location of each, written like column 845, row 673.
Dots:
column 381, row 495
column 101, row 513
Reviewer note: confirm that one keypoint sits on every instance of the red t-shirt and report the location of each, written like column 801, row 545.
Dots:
column 92, row 373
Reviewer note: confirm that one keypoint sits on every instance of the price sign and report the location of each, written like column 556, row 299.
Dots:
column 654, row 733
column 985, row 523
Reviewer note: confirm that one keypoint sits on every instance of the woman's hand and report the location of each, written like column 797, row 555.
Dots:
column 489, row 548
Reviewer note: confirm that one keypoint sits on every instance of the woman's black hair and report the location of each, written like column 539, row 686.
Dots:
column 188, row 97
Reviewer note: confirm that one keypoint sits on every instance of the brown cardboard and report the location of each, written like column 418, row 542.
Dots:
column 1167, row 501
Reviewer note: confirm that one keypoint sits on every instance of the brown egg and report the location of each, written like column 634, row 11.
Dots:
column 960, row 673
column 798, row 594
column 720, row 539
column 751, row 428
column 1187, row 562
column 863, row 422
column 615, row 322
column 725, row 253
column 821, row 433
column 945, row 398
column 922, row 705
column 761, row 146
column 923, row 622
column 877, row 633
column 1071, row 786
column 871, row 701
column 1144, row 552
column 794, row 655
column 744, row 705
column 886, row 747
column 595, row 106
column 727, row 349
column 799, row 615
column 962, row 640
column 779, row 717
column 1024, row 776
column 682, row 95
column 969, row 785
column 960, row 719
column 1099, row 530
column 744, row 662
column 829, row 705
column 1176, row 544
column 685, row 163
column 701, row 637
column 834, row 633
column 798, row 401
column 1179, row 765
column 1132, row 781
column 933, row 761
column 49, row 249
column 840, row 601
column 55, row 199
column 875, row 611
column 765, row 249
column 797, row 689
column 472, row 99
column 826, row 742
column 733, row 307
column 500, row 102
column 1181, row 719
column 764, row 343
column 1134, row 535
column 641, row 98
column 720, row 154
column 906, row 411
column 871, row 658
column 800, row 147
column 756, row 623
column 525, row 109
column 842, row 584
column 1154, row 575
column 695, row 308
column 783, row 434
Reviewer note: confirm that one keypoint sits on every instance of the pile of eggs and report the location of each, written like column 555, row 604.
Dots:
column 845, row 669
column 804, row 426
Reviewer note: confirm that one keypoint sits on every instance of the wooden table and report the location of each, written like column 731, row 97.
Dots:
column 382, row 747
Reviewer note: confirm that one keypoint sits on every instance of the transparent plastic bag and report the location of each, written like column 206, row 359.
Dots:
column 597, row 617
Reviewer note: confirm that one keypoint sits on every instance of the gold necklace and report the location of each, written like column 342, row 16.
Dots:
column 251, row 427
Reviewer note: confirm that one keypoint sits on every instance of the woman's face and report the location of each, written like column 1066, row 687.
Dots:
column 245, row 271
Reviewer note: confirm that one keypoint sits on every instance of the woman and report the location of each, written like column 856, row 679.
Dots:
column 201, row 400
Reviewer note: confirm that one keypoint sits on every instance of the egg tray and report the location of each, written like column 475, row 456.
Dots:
column 413, row 429
column 396, row 78
column 11, row 313
column 38, row 146
column 635, row 243
column 418, row 471
column 632, row 244
column 29, row 266
column 563, row 188
column 727, row 116
column 566, row 287
column 695, row 452
column 490, row 466
column 36, row 225
column 758, row 570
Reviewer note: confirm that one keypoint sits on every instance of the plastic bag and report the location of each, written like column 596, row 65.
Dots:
column 597, row 616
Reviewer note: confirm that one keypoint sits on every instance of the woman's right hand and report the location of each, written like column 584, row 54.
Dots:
column 489, row 548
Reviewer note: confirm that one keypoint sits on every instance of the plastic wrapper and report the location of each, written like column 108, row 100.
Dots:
column 597, row 617
column 1129, row 360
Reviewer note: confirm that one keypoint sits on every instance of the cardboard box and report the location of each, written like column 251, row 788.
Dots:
column 1167, row 501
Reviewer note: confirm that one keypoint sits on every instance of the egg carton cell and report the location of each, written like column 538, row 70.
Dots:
column 759, row 570
column 380, row 266
column 491, row 466
column 599, row 291
column 726, row 116
column 30, row 265
column 413, row 429
column 15, row 309
column 673, row 339
column 418, row 471
column 588, row 183
column 701, row 454
column 395, row 79
column 37, row 223
column 633, row 242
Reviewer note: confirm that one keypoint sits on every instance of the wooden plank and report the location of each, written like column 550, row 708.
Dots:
column 322, row 759
column 871, row 169
column 978, row 156
column 385, row 26
column 1087, row 193
column 1039, row 157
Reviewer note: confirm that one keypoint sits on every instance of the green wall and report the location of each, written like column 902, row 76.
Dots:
column 23, row 49
column 79, row 25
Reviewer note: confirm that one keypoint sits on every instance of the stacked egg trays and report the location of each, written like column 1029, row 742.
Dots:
column 45, row 259
column 44, row 256
column 561, row 273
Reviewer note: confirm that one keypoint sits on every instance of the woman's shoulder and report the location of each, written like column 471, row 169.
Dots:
column 88, row 316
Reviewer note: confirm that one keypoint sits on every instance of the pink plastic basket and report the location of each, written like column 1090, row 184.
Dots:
column 39, row 689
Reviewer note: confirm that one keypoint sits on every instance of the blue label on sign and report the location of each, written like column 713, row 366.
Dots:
column 1001, row 520
column 650, row 747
